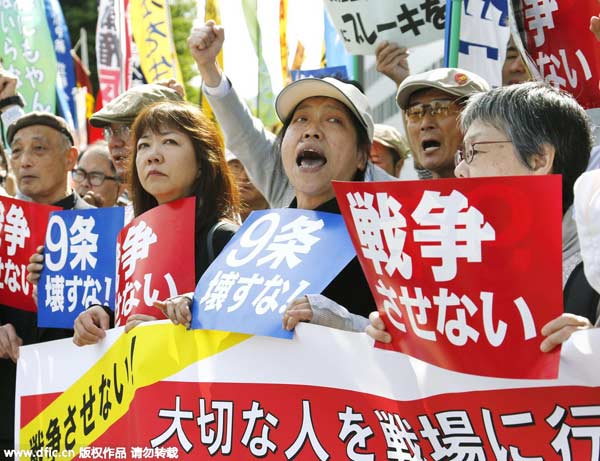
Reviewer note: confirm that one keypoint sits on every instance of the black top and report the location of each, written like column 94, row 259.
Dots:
column 221, row 236
column 579, row 297
column 349, row 288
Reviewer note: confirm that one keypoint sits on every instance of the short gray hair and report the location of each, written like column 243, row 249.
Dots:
column 533, row 114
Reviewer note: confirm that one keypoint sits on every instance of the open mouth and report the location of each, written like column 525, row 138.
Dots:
column 430, row 145
column 310, row 159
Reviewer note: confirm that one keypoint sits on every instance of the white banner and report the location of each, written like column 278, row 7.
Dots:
column 484, row 34
column 363, row 23
column 162, row 392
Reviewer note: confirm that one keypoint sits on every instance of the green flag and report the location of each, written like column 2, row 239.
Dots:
column 28, row 52
column 265, row 101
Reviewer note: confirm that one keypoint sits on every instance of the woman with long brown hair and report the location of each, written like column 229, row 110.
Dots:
column 177, row 153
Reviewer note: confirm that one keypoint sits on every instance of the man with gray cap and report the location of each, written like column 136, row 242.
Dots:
column 431, row 102
column 117, row 116
column 43, row 154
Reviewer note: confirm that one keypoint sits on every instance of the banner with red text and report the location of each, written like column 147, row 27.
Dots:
column 156, row 254
column 463, row 271
column 562, row 47
column 163, row 392
column 113, row 48
column 22, row 230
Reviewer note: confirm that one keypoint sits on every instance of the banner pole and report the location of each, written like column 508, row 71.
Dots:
column 454, row 33
column 447, row 33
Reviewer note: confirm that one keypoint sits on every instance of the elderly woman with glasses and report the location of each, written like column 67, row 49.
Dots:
column 95, row 176
column 532, row 129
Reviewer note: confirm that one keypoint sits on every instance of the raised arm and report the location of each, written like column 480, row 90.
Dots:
column 244, row 134
column 392, row 61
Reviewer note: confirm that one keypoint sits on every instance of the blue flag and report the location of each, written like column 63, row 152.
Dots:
column 275, row 257
column 65, row 77
column 79, row 264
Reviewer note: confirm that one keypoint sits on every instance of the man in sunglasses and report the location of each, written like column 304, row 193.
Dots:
column 431, row 103
column 95, row 177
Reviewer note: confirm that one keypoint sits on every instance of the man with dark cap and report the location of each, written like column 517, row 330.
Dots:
column 43, row 154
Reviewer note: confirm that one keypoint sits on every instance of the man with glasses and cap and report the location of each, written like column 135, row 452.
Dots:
column 431, row 103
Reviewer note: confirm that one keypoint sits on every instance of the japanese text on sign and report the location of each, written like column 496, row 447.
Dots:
column 14, row 232
column 80, row 262
column 448, row 262
column 269, row 263
column 363, row 24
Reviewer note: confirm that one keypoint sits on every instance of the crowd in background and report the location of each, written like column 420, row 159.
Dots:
column 159, row 148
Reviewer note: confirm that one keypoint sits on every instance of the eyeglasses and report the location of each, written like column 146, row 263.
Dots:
column 467, row 154
column 121, row 132
column 95, row 178
column 439, row 108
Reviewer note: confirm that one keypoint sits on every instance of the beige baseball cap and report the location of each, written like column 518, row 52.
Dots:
column 457, row 82
column 389, row 136
column 347, row 94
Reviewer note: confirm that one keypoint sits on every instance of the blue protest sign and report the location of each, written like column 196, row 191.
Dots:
column 275, row 257
column 79, row 264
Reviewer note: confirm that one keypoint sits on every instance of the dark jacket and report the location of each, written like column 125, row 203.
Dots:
column 579, row 297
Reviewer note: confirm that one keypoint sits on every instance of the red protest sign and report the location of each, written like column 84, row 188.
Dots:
column 22, row 230
column 562, row 47
column 464, row 271
column 156, row 259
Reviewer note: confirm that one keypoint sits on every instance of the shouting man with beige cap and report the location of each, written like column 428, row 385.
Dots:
column 244, row 134
column 432, row 102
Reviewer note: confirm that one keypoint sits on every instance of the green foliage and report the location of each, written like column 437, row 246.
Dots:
column 183, row 13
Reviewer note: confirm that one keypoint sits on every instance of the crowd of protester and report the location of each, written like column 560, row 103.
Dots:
column 159, row 148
